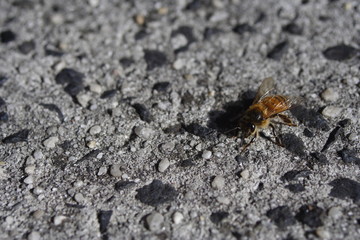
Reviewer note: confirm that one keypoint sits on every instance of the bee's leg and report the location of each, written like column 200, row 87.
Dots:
column 277, row 138
column 251, row 141
column 286, row 120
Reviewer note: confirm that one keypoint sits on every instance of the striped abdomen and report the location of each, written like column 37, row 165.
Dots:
column 272, row 105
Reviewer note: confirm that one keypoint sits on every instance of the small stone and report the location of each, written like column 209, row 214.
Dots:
column 345, row 188
column 335, row 213
column 144, row 132
column 243, row 28
column 167, row 147
column 79, row 198
column 94, row 3
column 4, row 117
column 7, row 36
column 217, row 217
column 30, row 169
column 115, row 170
column 206, row 154
column 281, row 216
column 349, row 156
column 177, row 217
column 178, row 64
column 102, row 171
column 322, row 233
column 223, row 200
column 154, row 59
column 330, row 95
column 104, row 217
column 353, row 137
column 218, row 182
column 109, row 93
column 21, row 136
column 83, row 99
column 126, row 62
column 140, row 19
column 293, row 28
column 26, row 47
column 29, row 180
column 331, row 111
column 50, row 142
column 38, row 190
column 124, row 184
column 143, row 112
column 34, row 235
column 91, row 144
column 156, row 193
column 59, row 220
column 96, row 129
column 340, row 52
column 161, row 86
column 245, row 174
column 310, row 215
column 154, row 221
column 38, row 155
column 163, row 165
column 96, row 88
column 278, row 51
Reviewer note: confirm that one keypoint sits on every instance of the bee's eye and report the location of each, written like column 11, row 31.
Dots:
column 252, row 127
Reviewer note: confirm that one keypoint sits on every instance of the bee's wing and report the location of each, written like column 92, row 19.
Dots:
column 287, row 103
column 265, row 88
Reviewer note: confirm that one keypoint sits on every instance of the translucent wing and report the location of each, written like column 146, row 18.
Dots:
column 265, row 88
column 281, row 103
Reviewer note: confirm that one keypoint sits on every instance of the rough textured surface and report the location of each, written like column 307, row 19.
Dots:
column 168, row 80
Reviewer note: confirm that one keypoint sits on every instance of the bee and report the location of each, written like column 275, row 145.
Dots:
column 263, row 112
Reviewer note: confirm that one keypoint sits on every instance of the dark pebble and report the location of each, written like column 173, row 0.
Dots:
column 243, row 28
column 320, row 158
column 293, row 143
column 295, row 175
column 345, row 188
column 198, row 130
column 140, row 34
column 104, row 220
column 54, row 108
column 3, row 79
column 26, row 47
column 161, row 86
column 211, row 31
column 122, row 185
column 21, row 136
column 187, row 163
column 174, row 129
column 295, row 188
column 261, row 17
column 293, row 28
column 278, row 51
column 217, row 217
column 344, row 123
column 333, row 137
column 4, row 117
column 195, row 5
column 187, row 98
column 2, row 102
column 156, row 193
column 240, row 159
column 154, row 59
column 349, row 156
column 308, row 133
column 281, row 216
column 72, row 78
column 187, row 32
column 23, row 4
column 310, row 215
column 53, row 52
column 126, row 62
column 143, row 112
column 108, row 94
column 340, row 52
column 7, row 36
column 78, row 206
column 92, row 154
column 66, row 145
column 310, row 118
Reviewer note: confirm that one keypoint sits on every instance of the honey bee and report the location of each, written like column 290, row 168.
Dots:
column 263, row 112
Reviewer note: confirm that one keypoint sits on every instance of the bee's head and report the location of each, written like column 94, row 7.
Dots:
column 247, row 128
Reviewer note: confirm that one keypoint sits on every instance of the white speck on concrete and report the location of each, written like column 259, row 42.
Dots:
column 29, row 180
column 96, row 129
column 245, row 174
column 218, row 182
column 335, row 212
column 163, row 165
column 51, row 142
column 178, row 217
column 30, row 169
column 83, row 99
column 144, row 132
column 331, row 111
column 34, row 235
column 115, row 170
column 155, row 221
column 206, row 154
column 59, row 219
column 38, row 155
column 322, row 233
column 330, row 95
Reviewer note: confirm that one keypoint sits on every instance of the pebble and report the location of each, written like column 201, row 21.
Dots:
column 353, row 137
column 206, row 154
column 331, row 111
column 38, row 155
column 179, row 41
column 79, row 198
column 96, row 88
column 245, row 174
column 96, row 129
column 322, row 233
column 223, row 200
column 83, row 99
column 178, row 217
column 144, row 132
column 38, row 190
column 59, row 220
column 218, row 182
column 178, row 64
column 30, row 169
column 38, row 214
column 163, row 165
column 335, row 213
column 34, row 235
column 29, row 180
column 102, row 171
column 91, row 144
column 51, row 130
column 168, row 147
column 155, row 221
column 115, row 170
column 140, row 19
column 330, row 95
column 30, row 160
column 50, row 142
